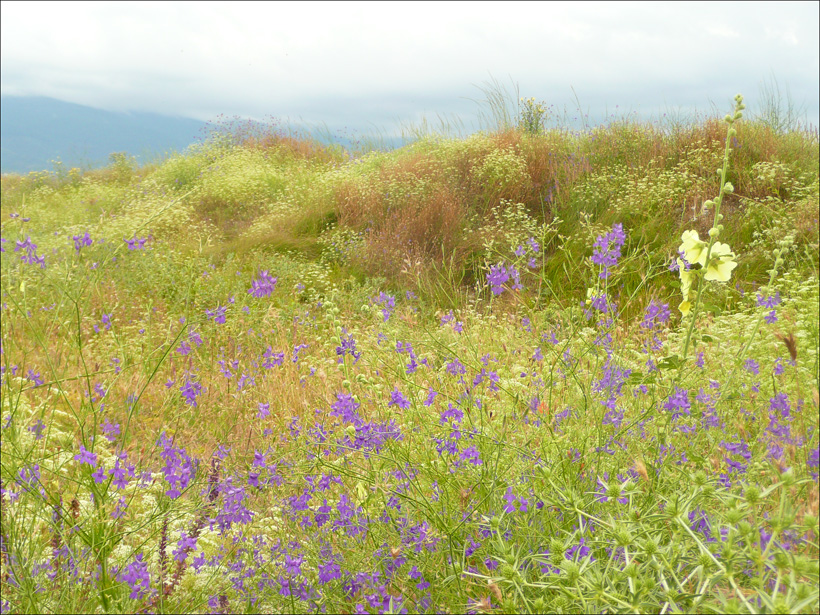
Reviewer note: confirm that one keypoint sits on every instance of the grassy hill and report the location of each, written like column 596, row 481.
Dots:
column 495, row 372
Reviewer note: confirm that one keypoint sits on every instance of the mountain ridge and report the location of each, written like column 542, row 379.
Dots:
column 36, row 130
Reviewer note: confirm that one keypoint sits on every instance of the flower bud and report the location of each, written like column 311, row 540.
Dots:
column 713, row 232
column 728, row 187
column 728, row 119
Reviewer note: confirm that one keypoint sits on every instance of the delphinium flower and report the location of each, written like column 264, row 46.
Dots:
column 272, row 358
column 217, row 314
column 85, row 456
column 137, row 577
column 452, row 413
column 496, row 278
column 345, row 408
column 700, row 523
column 110, row 430
column 710, row 417
column 737, row 448
column 179, row 468
column 458, row 326
column 190, row 390
column 752, row 366
column 264, row 410
column 37, row 429
column 136, row 243
column 122, row 471
column 34, row 377
column 780, row 416
column 347, row 346
column 455, row 368
column 245, row 380
column 678, row 403
column 769, row 302
column 607, row 249
column 296, row 350
column 397, row 399
column 119, row 509
column 611, row 384
column 813, row 461
column 80, row 241
column 388, row 303
column 185, row 545
column 263, row 285
column 30, row 257
column 471, row 455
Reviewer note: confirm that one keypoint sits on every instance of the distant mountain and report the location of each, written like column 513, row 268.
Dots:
column 36, row 130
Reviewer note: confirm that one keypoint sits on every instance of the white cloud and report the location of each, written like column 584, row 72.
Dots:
column 360, row 62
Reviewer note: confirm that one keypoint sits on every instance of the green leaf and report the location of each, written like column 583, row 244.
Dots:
column 670, row 362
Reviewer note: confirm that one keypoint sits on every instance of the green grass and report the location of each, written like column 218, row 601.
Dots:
column 423, row 443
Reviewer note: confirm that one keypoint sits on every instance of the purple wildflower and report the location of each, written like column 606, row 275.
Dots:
column 607, row 249
column 263, row 285
column 137, row 577
column 86, row 456
column 397, row 399
column 678, row 403
column 80, row 241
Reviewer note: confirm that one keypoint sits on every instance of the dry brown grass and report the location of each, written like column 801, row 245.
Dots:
column 292, row 147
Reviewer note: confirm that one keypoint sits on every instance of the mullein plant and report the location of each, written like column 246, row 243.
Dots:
column 716, row 259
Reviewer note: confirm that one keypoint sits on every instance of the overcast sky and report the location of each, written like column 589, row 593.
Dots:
column 365, row 65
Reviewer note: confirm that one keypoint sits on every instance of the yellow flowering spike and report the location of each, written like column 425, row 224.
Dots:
column 721, row 263
column 693, row 248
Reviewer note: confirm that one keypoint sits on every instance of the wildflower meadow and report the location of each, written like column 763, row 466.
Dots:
column 530, row 370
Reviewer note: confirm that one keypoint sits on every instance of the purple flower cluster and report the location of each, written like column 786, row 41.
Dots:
column 263, row 285
column 678, row 403
column 272, row 359
column 217, row 314
column 80, row 241
column 388, row 303
column 769, row 302
column 607, row 249
column 179, row 468
column 397, row 399
column 190, row 390
column 656, row 314
column 347, row 346
column 30, row 256
column 500, row 275
column 137, row 577
column 345, row 408
column 458, row 326
column 136, row 243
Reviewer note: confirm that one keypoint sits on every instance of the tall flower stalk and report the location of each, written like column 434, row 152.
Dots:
column 716, row 259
